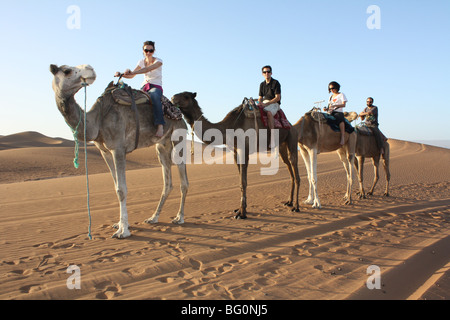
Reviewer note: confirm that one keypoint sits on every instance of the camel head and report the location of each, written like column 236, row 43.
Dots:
column 351, row 116
column 186, row 102
column 68, row 80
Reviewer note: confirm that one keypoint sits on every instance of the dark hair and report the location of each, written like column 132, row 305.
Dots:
column 149, row 43
column 370, row 99
column 266, row 67
column 336, row 85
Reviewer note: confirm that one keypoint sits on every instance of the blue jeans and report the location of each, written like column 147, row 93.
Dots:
column 156, row 94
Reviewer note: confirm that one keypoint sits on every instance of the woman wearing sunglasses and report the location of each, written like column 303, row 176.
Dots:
column 336, row 105
column 151, row 67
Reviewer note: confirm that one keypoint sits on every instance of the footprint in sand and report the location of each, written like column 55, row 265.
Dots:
column 197, row 265
column 217, row 271
column 283, row 260
column 43, row 245
column 108, row 290
column 166, row 279
column 30, row 288
column 265, row 282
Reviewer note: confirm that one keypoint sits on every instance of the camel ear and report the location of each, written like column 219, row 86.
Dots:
column 54, row 69
column 194, row 94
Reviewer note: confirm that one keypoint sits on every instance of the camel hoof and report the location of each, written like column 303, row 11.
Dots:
column 288, row 204
column 121, row 235
column 295, row 210
column 151, row 220
column 386, row 194
column 240, row 214
column 307, row 201
column 370, row 193
column 178, row 221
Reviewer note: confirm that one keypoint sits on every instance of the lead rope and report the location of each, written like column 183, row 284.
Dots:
column 77, row 147
column 84, row 84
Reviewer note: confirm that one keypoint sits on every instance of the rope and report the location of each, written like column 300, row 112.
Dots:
column 77, row 149
column 77, row 145
column 85, row 162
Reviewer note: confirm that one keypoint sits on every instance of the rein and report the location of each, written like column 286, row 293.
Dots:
column 75, row 161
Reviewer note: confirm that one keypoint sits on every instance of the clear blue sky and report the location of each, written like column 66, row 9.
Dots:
column 217, row 49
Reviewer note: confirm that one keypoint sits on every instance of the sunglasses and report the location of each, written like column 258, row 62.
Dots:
column 267, row 71
column 332, row 88
column 149, row 50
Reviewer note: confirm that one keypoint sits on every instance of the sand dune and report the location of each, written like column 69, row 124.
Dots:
column 274, row 255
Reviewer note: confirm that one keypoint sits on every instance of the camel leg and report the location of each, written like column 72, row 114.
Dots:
column 360, row 167
column 386, row 168
column 284, row 157
column 347, row 161
column 313, row 184
column 376, row 176
column 241, row 213
column 184, row 186
column 121, row 190
column 291, row 164
column 306, row 160
column 164, row 156
column 110, row 163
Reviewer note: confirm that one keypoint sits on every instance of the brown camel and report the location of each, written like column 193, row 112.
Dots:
column 315, row 137
column 236, row 120
column 366, row 147
column 112, row 127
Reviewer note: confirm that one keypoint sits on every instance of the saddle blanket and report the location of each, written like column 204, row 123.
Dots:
column 280, row 120
column 331, row 121
column 364, row 130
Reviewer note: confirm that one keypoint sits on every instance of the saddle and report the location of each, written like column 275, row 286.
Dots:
column 251, row 110
column 364, row 129
column 123, row 97
column 323, row 118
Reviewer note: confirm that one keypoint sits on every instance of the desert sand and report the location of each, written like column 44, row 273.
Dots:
column 276, row 254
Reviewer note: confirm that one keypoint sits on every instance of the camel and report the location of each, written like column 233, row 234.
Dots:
column 112, row 128
column 315, row 137
column 236, row 120
column 366, row 147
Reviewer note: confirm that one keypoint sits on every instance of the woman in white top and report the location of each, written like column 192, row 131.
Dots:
column 151, row 67
column 336, row 106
